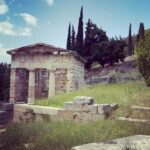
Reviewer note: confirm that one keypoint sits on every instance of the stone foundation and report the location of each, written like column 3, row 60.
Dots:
column 80, row 110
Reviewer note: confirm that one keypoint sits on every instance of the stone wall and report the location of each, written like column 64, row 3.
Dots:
column 81, row 109
column 60, row 81
column 120, row 72
column 77, row 75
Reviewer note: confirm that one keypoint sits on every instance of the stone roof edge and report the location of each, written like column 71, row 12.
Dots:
column 75, row 54
column 61, row 51
column 32, row 45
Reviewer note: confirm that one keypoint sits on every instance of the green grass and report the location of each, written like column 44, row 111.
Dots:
column 64, row 135
column 124, row 94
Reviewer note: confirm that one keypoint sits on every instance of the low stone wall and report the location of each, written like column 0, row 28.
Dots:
column 121, row 72
column 81, row 109
column 6, row 113
column 28, row 113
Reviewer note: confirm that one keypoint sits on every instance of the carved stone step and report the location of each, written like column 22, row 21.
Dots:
column 133, row 120
column 145, row 109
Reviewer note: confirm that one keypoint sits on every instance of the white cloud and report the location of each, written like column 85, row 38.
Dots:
column 7, row 28
column 29, row 19
column 26, row 31
column 50, row 2
column 3, row 7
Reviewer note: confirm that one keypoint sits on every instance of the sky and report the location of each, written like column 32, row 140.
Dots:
column 25, row 22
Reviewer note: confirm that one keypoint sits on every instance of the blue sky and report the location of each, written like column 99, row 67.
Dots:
column 24, row 22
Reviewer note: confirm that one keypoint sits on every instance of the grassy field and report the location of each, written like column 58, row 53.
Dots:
column 64, row 135
column 124, row 94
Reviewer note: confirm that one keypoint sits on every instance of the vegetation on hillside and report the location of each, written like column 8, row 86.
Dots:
column 125, row 94
column 4, row 81
column 143, row 54
column 130, row 42
column 96, row 46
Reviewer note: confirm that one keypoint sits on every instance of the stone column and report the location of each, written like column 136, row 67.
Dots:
column 13, row 86
column 31, row 88
column 51, row 91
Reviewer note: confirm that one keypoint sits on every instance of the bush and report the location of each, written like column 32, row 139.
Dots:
column 143, row 54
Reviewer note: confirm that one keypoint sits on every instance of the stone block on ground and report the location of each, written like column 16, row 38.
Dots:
column 97, row 116
column 133, row 120
column 114, row 107
column 3, row 115
column 83, row 100
column 50, row 110
column 104, row 109
column 136, row 142
column 65, row 114
column 69, row 106
column 3, row 121
column 7, row 107
column 91, row 108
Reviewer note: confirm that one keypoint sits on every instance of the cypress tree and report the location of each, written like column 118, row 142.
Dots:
column 68, row 47
column 79, row 42
column 130, row 42
column 87, row 41
column 73, row 39
column 141, row 32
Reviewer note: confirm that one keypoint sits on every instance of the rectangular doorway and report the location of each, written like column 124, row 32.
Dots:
column 41, row 83
column 22, row 82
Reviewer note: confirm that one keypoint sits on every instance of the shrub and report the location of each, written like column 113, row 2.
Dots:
column 143, row 54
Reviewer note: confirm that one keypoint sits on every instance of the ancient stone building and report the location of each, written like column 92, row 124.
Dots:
column 40, row 71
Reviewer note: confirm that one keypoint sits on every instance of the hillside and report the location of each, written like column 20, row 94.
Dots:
column 123, row 71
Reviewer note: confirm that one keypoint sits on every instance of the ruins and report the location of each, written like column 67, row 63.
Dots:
column 41, row 71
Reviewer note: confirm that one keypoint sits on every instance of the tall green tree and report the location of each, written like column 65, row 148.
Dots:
column 141, row 32
column 4, row 81
column 73, row 39
column 79, row 40
column 130, row 42
column 87, row 41
column 143, row 56
column 93, row 35
column 68, row 47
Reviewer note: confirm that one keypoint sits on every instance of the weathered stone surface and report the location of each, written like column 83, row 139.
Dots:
column 83, row 100
column 104, row 109
column 3, row 115
column 133, row 120
column 123, row 71
column 92, row 108
column 144, row 109
column 65, row 114
column 69, row 106
column 81, row 109
column 114, row 107
column 137, row 142
column 7, row 107
column 44, row 71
